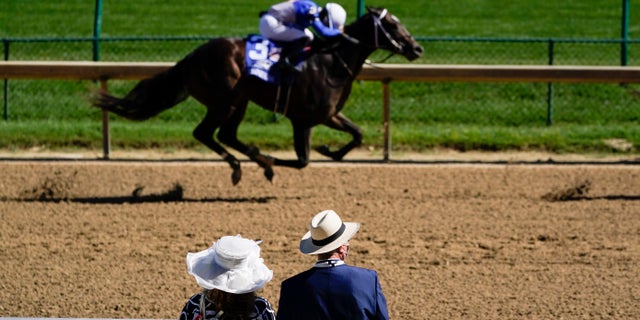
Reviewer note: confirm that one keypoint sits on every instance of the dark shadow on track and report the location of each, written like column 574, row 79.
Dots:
column 609, row 198
column 49, row 191
column 146, row 199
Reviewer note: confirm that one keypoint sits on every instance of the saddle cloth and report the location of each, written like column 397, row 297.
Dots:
column 260, row 55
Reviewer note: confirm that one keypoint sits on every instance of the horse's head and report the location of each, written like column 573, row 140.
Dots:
column 389, row 34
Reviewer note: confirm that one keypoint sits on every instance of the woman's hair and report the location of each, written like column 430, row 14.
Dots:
column 235, row 306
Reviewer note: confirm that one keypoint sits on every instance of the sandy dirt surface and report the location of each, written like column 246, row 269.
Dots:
column 498, row 239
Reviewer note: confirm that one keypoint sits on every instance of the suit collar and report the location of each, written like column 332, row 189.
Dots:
column 329, row 263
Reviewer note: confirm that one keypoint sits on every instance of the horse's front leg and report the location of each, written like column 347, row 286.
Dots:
column 342, row 123
column 301, row 138
column 266, row 162
column 204, row 133
column 228, row 134
column 301, row 144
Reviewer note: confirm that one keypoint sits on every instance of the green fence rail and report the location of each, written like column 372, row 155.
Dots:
column 438, row 50
column 499, row 50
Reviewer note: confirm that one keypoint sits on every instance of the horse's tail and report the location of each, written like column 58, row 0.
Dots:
column 149, row 97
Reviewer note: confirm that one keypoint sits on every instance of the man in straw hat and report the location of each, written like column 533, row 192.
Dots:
column 230, row 272
column 331, row 289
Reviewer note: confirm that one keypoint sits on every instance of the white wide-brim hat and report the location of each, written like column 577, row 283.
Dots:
column 327, row 232
column 232, row 264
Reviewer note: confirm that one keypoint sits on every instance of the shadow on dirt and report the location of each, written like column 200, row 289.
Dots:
column 578, row 192
column 616, row 197
column 151, row 199
column 56, row 190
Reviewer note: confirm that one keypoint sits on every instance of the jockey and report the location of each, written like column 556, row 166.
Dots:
column 297, row 23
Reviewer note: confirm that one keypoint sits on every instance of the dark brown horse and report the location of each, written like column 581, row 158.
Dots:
column 214, row 74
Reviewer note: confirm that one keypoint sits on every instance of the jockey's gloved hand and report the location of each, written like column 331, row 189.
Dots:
column 324, row 31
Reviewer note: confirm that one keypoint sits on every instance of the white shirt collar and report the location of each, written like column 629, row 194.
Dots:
column 329, row 263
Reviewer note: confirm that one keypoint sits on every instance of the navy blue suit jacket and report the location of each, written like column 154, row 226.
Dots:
column 340, row 292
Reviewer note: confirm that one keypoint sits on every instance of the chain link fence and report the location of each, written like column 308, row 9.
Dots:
column 510, row 104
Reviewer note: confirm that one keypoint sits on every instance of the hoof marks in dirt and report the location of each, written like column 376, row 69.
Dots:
column 59, row 189
column 55, row 188
column 576, row 192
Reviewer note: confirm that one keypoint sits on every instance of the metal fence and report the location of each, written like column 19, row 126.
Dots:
column 524, row 103
column 439, row 50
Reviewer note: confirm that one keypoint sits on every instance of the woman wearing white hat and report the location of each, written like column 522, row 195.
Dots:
column 331, row 289
column 230, row 272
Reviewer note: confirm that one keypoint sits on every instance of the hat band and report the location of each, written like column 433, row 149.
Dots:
column 329, row 239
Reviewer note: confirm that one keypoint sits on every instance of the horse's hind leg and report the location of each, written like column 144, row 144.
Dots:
column 204, row 133
column 342, row 123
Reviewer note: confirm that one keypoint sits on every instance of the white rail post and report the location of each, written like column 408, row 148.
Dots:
column 106, row 137
column 386, row 118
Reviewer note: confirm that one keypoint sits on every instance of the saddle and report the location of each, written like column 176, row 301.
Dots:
column 261, row 58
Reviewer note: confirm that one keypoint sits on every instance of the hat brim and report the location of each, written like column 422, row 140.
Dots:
column 307, row 246
column 210, row 275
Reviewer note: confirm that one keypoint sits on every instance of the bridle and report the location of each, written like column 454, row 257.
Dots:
column 393, row 48
column 396, row 47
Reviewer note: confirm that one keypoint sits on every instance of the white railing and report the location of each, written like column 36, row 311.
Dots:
column 385, row 73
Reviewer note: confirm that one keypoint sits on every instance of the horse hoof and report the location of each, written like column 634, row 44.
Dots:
column 324, row 150
column 268, row 173
column 236, row 176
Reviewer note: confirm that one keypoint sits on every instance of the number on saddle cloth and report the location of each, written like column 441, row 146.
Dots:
column 260, row 55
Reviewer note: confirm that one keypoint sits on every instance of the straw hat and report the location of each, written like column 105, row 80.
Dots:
column 232, row 264
column 327, row 232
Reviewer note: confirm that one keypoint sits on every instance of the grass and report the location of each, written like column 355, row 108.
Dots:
column 463, row 116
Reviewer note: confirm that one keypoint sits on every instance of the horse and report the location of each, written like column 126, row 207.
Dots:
column 215, row 75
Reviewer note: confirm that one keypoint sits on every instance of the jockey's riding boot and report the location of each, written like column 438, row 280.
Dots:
column 290, row 55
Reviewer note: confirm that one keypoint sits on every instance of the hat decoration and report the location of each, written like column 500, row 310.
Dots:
column 232, row 264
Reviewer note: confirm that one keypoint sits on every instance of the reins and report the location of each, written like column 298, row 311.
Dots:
column 344, row 65
column 377, row 30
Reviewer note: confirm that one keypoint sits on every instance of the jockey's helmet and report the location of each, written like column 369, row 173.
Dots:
column 333, row 15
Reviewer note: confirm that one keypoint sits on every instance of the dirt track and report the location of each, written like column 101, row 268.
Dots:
column 499, row 241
